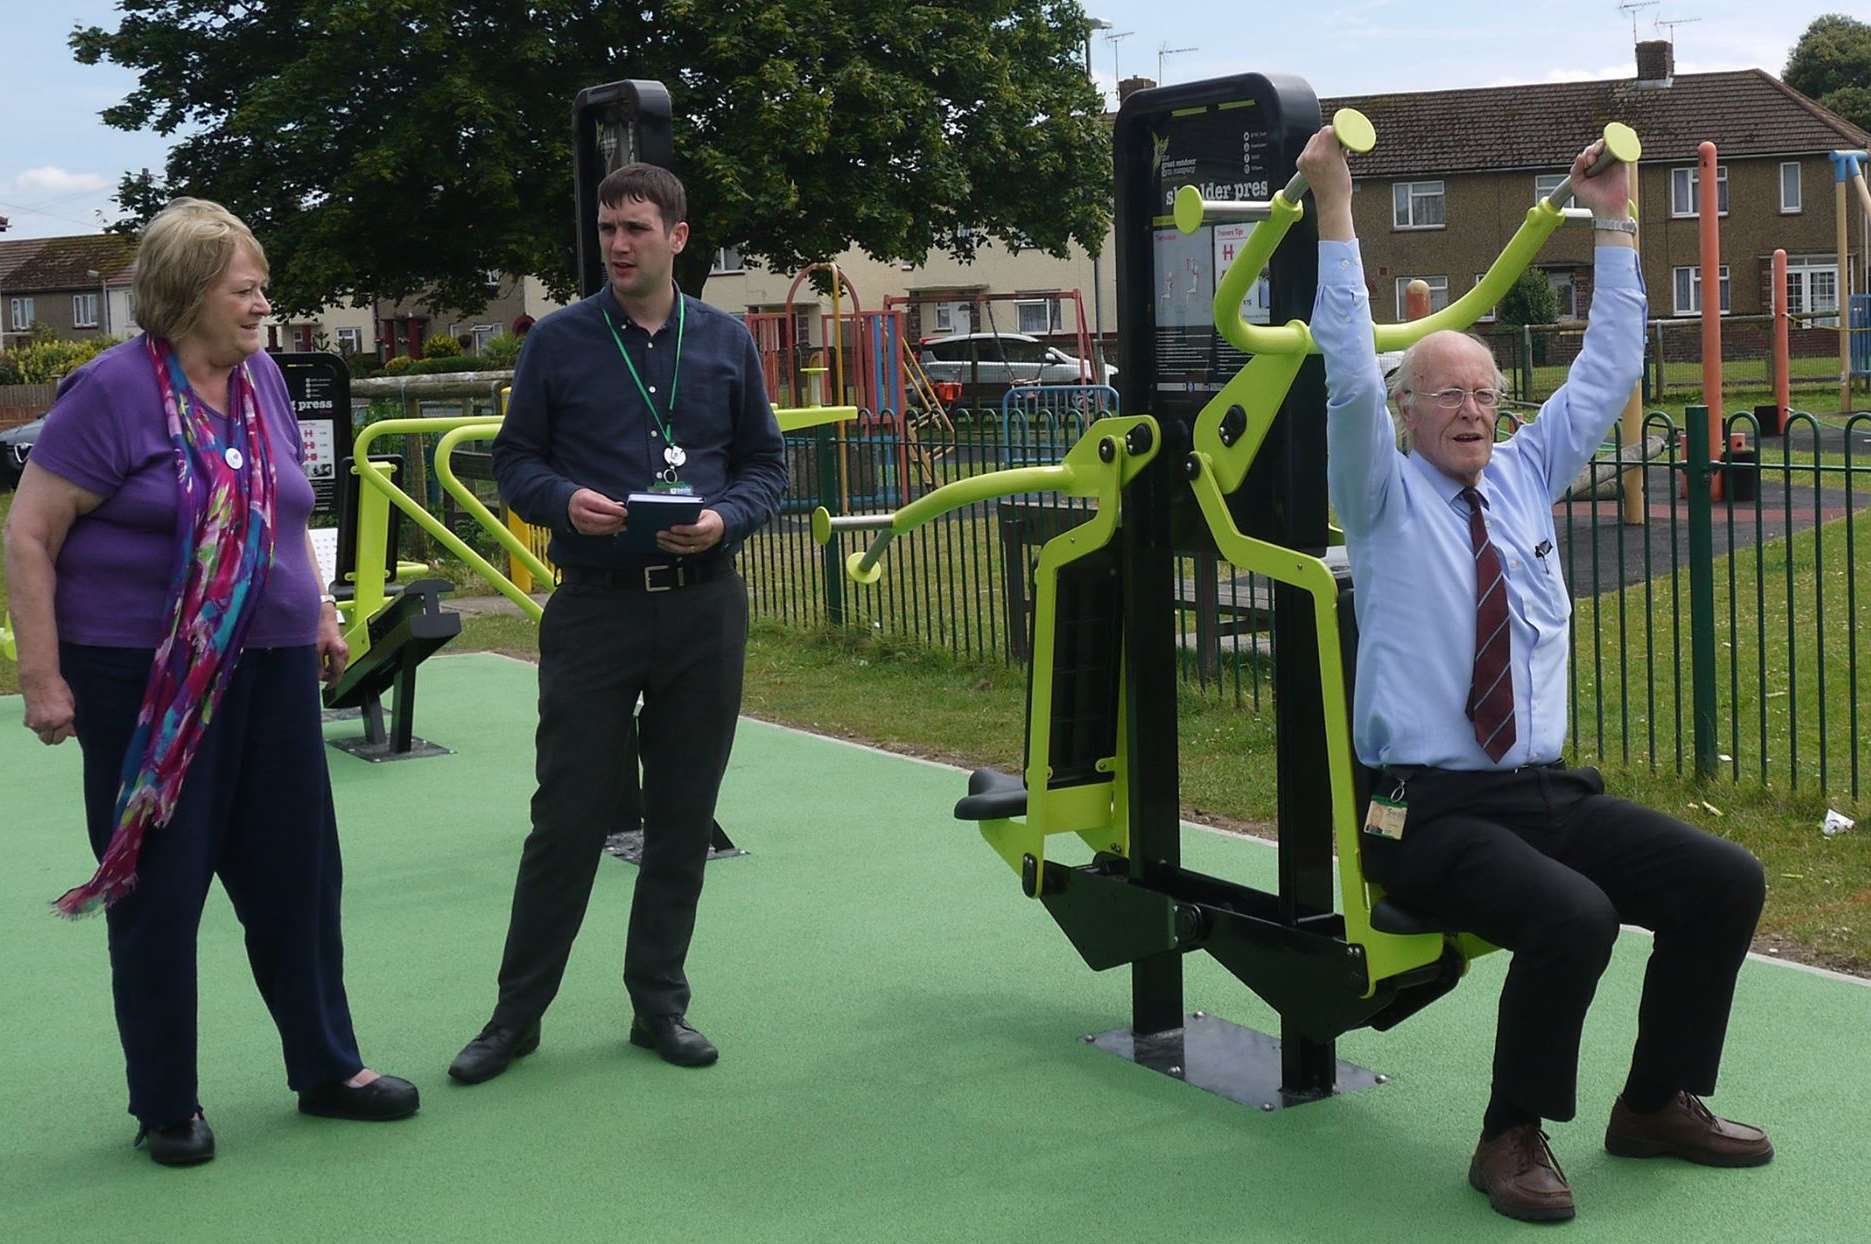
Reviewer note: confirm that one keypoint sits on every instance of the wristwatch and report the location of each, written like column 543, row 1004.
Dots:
column 1615, row 224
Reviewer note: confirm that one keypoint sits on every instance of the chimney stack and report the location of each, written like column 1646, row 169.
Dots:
column 1656, row 63
column 1130, row 86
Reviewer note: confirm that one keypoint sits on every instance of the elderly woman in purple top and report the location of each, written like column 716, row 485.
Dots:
column 169, row 616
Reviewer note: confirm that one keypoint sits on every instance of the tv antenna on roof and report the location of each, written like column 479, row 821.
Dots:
column 1162, row 50
column 1681, row 21
column 1112, row 40
column 1631, row 7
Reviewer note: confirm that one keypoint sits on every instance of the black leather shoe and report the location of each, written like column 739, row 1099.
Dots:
column 672, row 1038
column 383, row 1099
column 492, row 1050
column 189, row 1143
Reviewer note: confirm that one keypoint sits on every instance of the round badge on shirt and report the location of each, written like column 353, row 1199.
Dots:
column 234, row 458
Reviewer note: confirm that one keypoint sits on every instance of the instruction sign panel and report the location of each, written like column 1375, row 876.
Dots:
column 1224, row 151
column 320, row 388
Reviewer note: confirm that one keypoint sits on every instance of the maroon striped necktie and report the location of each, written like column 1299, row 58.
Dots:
column 1491, row 691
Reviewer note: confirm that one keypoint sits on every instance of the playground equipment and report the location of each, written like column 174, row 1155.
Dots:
column 1848, row 167
column 1211, row 467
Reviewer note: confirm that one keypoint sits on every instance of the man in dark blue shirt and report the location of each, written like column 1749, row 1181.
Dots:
column 637, row 389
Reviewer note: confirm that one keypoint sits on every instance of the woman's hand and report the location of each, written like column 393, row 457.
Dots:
column 333, row 653
column 50, row 710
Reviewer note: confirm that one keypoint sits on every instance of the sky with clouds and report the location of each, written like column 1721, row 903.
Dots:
column 59, row 164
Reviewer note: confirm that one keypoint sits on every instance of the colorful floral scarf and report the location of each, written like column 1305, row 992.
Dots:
column 224, row 549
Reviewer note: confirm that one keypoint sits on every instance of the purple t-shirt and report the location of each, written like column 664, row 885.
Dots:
column 107, row 435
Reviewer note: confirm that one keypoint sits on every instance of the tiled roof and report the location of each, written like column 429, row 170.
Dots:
column 15, row 253
column 64, row 263
column 1745, row 112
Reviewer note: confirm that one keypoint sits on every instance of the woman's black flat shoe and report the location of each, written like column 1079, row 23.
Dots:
column 188, row 1143
column 383, row 1099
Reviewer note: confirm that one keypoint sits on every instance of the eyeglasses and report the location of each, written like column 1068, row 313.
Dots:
column 1451, row 399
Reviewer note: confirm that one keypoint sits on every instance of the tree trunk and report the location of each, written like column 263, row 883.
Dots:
column 692, row 267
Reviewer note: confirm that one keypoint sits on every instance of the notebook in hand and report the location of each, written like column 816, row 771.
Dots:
column 651, row 512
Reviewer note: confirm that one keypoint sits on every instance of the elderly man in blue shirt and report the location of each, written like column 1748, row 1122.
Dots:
column 1461, row 707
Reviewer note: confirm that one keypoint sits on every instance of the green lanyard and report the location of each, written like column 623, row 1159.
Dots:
column 682, row 309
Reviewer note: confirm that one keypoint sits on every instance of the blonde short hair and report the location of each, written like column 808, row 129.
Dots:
column 184, row 251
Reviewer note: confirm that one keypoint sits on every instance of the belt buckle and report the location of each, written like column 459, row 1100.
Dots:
column 649, row 578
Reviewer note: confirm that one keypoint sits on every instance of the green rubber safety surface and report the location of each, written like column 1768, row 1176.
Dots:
column 900, row 1047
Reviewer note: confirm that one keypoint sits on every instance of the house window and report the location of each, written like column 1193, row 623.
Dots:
column 84, row 310
column 1686, row 193
column 1039, row 315
column 1417, row 204
column 20, row 312
column 491, row 278
column 484, row 333
column 1790, row 186
column 1565, row 292
column 1687, row 283
column 1813, row 287
column 1490, row 313
column 1545, row 184
column 302, row 337
column 350, row 341
column 1438, row 293
column 727, row 259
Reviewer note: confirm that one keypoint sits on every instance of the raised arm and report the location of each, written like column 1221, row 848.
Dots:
column 1361, row 441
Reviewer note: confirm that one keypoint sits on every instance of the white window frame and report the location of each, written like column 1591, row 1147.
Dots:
column 1694, row 290
column 1545, row 183
column 727, row 260
column 350, row 340
column 21, row 312
column 84, row 310
column 491, row 279
column 1685, row 191
column 944, row 318
column 1050, row 310
column 1801, row 269
column 1797, row 205
column 1569, row 311
column 1492, row 312
column 1437, row 284
column 1406, row 218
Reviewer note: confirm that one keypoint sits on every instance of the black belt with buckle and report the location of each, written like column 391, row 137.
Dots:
column 661, row 577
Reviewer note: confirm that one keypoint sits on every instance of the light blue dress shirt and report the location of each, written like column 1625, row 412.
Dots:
column 1406, row 526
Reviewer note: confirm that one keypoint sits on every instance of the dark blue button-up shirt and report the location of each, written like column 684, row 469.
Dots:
column 576, row 420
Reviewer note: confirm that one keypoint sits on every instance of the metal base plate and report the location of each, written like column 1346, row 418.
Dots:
column 627, row 845
column 377, row 753
column 340, row 714
column 1223, row 1058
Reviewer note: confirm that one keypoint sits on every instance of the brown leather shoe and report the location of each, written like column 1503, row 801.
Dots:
column 1521, row 1177
column 1689, row 1130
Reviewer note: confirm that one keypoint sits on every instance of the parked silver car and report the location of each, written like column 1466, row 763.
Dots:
column 1003, row 359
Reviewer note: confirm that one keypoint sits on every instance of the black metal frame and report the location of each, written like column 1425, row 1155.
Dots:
column 644, row 107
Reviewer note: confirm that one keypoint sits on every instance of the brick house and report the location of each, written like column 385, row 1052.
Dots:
column 402, row 326
column 75, row 286
column 1454, row 173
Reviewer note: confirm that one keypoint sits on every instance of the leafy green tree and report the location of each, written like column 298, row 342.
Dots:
column 1832, row 64
column 401, row 146
column 1530, row 301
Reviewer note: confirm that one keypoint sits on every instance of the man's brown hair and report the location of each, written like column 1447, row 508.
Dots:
column 649, row 184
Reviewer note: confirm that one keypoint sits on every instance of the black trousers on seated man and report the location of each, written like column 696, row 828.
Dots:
column 1541, row 862
column 600, row 647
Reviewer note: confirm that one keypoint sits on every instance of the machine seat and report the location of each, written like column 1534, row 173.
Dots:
column 1389, row 917
column 992, row 796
